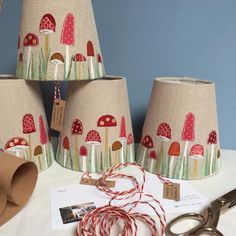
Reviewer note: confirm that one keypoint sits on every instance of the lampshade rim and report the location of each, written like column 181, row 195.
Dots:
column 184, row 81
column 106, row 78
column 7, row 77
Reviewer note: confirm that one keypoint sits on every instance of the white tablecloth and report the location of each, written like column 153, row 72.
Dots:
column 35, row 220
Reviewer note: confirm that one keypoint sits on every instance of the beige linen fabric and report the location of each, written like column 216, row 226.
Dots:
column 173, row 100
column 87, row 102
column 21, row 101
column 47, row 20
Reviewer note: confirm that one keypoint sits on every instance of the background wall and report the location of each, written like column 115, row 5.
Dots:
column 145, row 39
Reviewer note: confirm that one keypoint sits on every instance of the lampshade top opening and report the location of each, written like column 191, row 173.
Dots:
column 184, row 80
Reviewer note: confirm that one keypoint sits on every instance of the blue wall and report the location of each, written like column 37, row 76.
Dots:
column 145, row 39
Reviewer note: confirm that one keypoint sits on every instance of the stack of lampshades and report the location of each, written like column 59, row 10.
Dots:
column 58, row 42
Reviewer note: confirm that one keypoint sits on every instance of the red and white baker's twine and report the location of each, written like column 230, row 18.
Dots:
column 101, row 220
column 57, row 90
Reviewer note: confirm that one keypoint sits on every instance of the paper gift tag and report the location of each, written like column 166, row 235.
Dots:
column 91, row 181
column 58, row 114
column 171, row 191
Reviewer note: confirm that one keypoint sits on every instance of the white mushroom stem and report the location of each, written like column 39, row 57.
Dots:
column 28, row 68
column 143, row 158
column 67, row 61
column 65, row 157
column 46, row 156
column 83, row 163
column 93, row 167
column 152, row 165
column 100, row 70
column 171, row 166
column 183, row 167
column 91, row 68
column 122, row 156
column 131, row 153
column 56, row 72
column 211, row 158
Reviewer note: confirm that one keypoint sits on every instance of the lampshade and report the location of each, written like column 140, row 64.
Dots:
column 97, row 130
column 23, row 123
column 180, row 134
column 58, row 41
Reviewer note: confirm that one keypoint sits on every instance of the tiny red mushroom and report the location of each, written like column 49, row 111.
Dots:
column 57, row 59
column 153, row 157
column 100, row 66
column 31, row 40
column 212, row 140
column 197, row 153
column 93, row 138
column 47, row 27
column 164, row 134
column 130, row 141
column 83, row 158
column 174, row 153
column 106, row 121
column 68, row 38
column 38, row 151
column 91, row 55
column 29, row 128
column 76, row 130
column 116, row 146
column 123, row 139
column 20, row 65
column 78, row 58
column 147, row 144
column 66, row 146
column 17, row 146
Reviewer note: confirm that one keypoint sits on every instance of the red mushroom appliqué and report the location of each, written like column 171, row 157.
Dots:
column 123, row 139
column 107, row 121
column 130, row 141
column 31, row 40
column 78, row 58
column 212, row 140
column 57, row 59
column 147, row 144
column 197, row 153
column 76, row 130
column 17, row 146
column 68, row 38
column 66, row 152
column 174, row 153
column 29, row 128
column 153, row 157
column 91, row 55
column 100, row 66
column 93, row 138
column 83, row 158
column 47, row 27
column 164, row 134
column 188, row 135
column 43, row 139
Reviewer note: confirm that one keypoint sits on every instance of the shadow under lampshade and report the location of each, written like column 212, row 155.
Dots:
column 23, row 124
column 180, row 137
column 97, row 131
column 58, row 40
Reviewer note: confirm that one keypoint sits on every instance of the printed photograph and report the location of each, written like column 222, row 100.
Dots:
column 75, row 213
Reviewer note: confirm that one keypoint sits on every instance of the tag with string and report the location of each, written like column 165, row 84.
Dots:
column 58, row 109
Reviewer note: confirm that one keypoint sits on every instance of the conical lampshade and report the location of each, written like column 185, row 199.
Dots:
column 23, row 123
column 180, row 134
column 97, row 130
column 58, row 41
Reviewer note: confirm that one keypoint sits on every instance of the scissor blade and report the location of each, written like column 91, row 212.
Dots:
column 229, row 197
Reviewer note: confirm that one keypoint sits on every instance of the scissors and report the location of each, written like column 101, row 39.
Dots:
column 208, row 220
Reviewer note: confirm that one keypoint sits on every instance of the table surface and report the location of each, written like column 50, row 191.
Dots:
column 35, row 219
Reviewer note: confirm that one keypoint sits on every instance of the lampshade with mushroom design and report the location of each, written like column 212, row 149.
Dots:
column 66, row 29
column 181, row 121
column 107, row 130
column 26, row 126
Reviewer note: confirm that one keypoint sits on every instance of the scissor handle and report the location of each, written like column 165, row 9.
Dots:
column 194, row 216
column 209, row 231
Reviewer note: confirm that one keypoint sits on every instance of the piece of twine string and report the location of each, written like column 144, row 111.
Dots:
column 101, row 220
column 57, row 90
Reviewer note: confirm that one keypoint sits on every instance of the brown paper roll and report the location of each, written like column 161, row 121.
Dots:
column 58, row 41
column 18, row 179
column 23, row 122
column 97, row 131
column 180, row 133
column 3, row 199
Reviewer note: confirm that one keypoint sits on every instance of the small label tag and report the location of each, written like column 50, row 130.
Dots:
column 171, row 191
column 58, row 114
column 90, row 181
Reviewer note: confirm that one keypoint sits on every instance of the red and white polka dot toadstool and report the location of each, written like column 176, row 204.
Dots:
column 197, row 153
column 90, row 56
column 153, row 157
column 212, row 140
column 147, row 144
column 83, row 157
